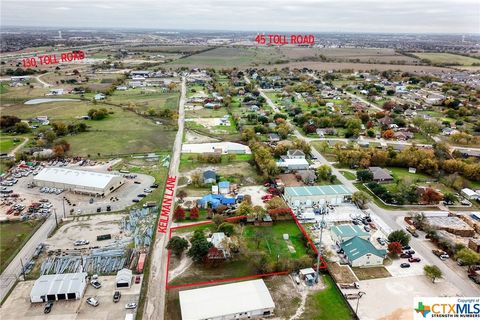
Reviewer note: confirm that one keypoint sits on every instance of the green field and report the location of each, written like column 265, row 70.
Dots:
column 206, row 113
column 349, row 175
column 446, row 58
column 188, row 161
column 6, row 144
column 269, row 240
column 327, row 304
column 145, row 99
column 12, row 237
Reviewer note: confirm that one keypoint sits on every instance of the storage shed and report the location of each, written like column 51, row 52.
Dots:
column 124, row 278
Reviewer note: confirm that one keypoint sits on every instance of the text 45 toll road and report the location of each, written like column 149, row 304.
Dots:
column 282, row 39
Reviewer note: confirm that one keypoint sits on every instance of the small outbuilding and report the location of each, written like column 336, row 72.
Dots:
column 209, row 177
column 124, row 278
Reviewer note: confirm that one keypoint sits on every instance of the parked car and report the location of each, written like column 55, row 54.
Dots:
column 413, row 259
column 405, row 265
column 367, row 228
column 109, row 208
column 131, row 305
column 154, row 186
column 381, row 241
column 81, row 242
column 137, row 279
column 405, row 255
column 96, row 284
column 48, row 307
column 92, row 301
column 412, row 252
column 135, row 200
column 141, row 195
column 406, row 248
column 99, row 209
column 116, row 296
column 137, row 182
column 146, row 190
column 474, row 278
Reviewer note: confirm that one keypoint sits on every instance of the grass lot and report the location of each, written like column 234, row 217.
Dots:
column 270, row 240
column 327, row 304
column 13, row 236
column 399, row 173
column 349, row 175
column 371, row 273
column 21, row 94
column 328, row 153
column 6, row 144
column 146, row 99
column 188, row 161
column 206, row 113
column 66, row 110
column 446, row 58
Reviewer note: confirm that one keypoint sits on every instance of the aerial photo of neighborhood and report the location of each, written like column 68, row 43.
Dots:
column 217, row 160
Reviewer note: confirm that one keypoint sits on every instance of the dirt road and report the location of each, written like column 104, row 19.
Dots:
column 155, row 301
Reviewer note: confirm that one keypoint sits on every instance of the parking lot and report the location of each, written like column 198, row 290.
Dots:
column 117, row 200
column 18, row 306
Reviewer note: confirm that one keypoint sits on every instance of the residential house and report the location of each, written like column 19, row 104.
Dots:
column 99, row 96
column 219, row 241
column 469, row 194
column 209, row 177
column 380, row 175
column 308, row 176
column 449, row 131
column 293, row 164
column 295, row 154
column 273, row 137
column 362, row 253
column 55, row 92
column 403, row 135
column 385, row 121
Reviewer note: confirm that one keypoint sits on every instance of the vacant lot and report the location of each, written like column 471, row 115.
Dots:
column 230, row 57
column 145, row 99
column 327, row 304
column 371, row 273
column 12, row 237
column 446, row 58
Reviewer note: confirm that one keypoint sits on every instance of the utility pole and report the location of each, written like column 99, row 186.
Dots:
column 319, row 248
column 63, row 203
column 360, row 294
column 23, row 269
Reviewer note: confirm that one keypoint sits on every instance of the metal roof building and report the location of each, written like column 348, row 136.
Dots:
column 362, row 253
column 308, row 195
column 81, row 181
column 240, row 300
column 66, row 286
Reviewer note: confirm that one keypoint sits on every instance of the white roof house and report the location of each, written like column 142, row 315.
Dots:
column 78, row 180
column 240, row 300
column 469, row 194
column 67, row 286
column 293, row 164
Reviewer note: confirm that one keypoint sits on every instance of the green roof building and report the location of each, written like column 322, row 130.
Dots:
column 362, row 253
column 344, row 232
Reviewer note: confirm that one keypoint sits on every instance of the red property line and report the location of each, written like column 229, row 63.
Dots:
column 323, row 265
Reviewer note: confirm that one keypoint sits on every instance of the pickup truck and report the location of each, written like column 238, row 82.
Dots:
column 441, row 254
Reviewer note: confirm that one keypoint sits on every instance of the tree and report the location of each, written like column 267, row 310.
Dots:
column 361, row 198
column 399, row 236
column 22, row 127
column 364, row 175
column 388, row 134
column 432, row 272
column 276, row 203
column 177, row 245
column 449, row 198
column 181, row 194
column 244, row 209
column 324, row 172
column 431, row 196
column 468, row 257
column 179, row 214
column 218, row 220
column 194, row 213
column 419, row 220
column 226, row 228
column 199, row 248
column 395, row 248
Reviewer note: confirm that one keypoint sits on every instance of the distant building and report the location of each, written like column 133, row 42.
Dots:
column 380, row 175
column 224, row 187
column 238, row 300
column 55, row 92
column 474, row 244
column 317, row 195
column 469, row 194
column 362, row 253
column 295, row 154
column 99, row 96
column 273, row 137
column 293, row 164
column 124, row 278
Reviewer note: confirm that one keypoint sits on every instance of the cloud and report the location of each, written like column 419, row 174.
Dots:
column 442, row 16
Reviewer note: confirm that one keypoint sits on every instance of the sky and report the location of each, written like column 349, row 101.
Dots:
column 384, row 16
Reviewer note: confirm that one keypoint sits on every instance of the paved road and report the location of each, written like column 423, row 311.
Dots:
column 392, row 218
column 14, row 150
column 155, row 303
column 10, row 275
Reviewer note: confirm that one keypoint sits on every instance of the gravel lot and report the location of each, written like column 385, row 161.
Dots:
column 18, row 306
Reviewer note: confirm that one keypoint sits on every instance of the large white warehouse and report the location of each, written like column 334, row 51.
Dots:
column 67, row 286
column 317, row 195
column 79, row 181
column 240, row 300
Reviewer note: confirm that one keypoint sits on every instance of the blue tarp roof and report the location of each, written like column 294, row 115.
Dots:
column 224, row 184
column 215, row 200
